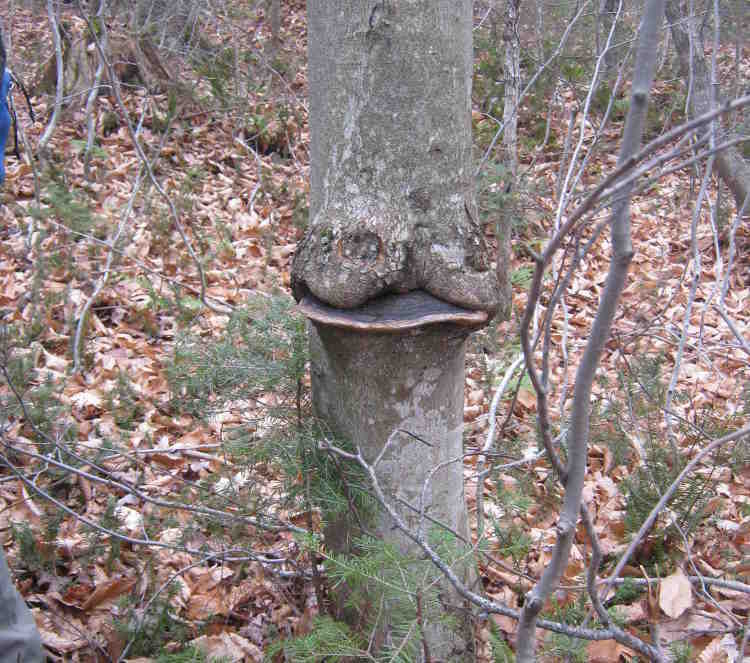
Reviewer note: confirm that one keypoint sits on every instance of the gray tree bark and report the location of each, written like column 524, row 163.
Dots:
column 273, row 16
column 607, row 15
column 409, row 388
column 393, row 211
column 392, row 193
column 733, row 169
column 512, row 92
column 512, row 87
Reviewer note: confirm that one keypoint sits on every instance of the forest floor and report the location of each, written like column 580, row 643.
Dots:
column 237, row 172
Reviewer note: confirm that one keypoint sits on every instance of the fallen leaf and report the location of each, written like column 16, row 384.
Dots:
column 54, row 638
column 227, row 646
column 675, row 594
column 131, row 519
column 527, row 398
column 720, row 650
column 107, row 591
column 606, row 651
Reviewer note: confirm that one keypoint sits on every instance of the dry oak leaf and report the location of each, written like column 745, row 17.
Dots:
column 527, row 398
column 675, row 594
column 63, row 641
column 607, row 651
column 228, row 646
column 108, row 591
column 720, row 650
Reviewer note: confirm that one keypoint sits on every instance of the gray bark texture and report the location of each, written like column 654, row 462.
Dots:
column 607, row 15
column 394, row 382
column 393, row 212
column 392, row 193
column 19, row 637
column 733, row 169
column 367, row 386
column 512, row 88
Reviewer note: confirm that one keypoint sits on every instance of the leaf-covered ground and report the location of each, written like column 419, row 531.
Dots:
column 236, row 170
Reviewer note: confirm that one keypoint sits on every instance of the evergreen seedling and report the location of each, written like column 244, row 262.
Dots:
column 328, row 640
column 559, row 647
column 149, row 633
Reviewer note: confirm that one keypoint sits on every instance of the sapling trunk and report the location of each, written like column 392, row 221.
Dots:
column 578, row 435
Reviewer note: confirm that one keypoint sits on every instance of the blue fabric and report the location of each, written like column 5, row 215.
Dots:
column 4, row 120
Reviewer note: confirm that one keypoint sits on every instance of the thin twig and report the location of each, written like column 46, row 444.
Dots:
column 666, row 497
column 50, row 128
column 223, row 308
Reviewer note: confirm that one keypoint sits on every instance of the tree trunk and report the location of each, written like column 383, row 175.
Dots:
column 365, row 387
column 607, row 16
column 132, row 60
column 392, row 192
column 172, row 23
column 733, row 169
column 273, row 8
column 512, row 87
column 273, row 16
column 512, row 93
column 393, row 257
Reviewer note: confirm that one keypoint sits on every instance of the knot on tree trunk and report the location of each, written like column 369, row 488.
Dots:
column 346, row 263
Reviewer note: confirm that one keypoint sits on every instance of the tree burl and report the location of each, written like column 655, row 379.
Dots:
column 392, row 186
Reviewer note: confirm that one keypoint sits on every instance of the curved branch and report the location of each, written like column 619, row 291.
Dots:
column 50, row 128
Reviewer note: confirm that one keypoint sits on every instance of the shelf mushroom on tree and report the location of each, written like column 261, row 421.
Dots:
column 393, row 271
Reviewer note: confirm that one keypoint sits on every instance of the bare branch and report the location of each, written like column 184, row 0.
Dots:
column 223, row 308
column 666, row 497
column 50, row 128
column 575, row 471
